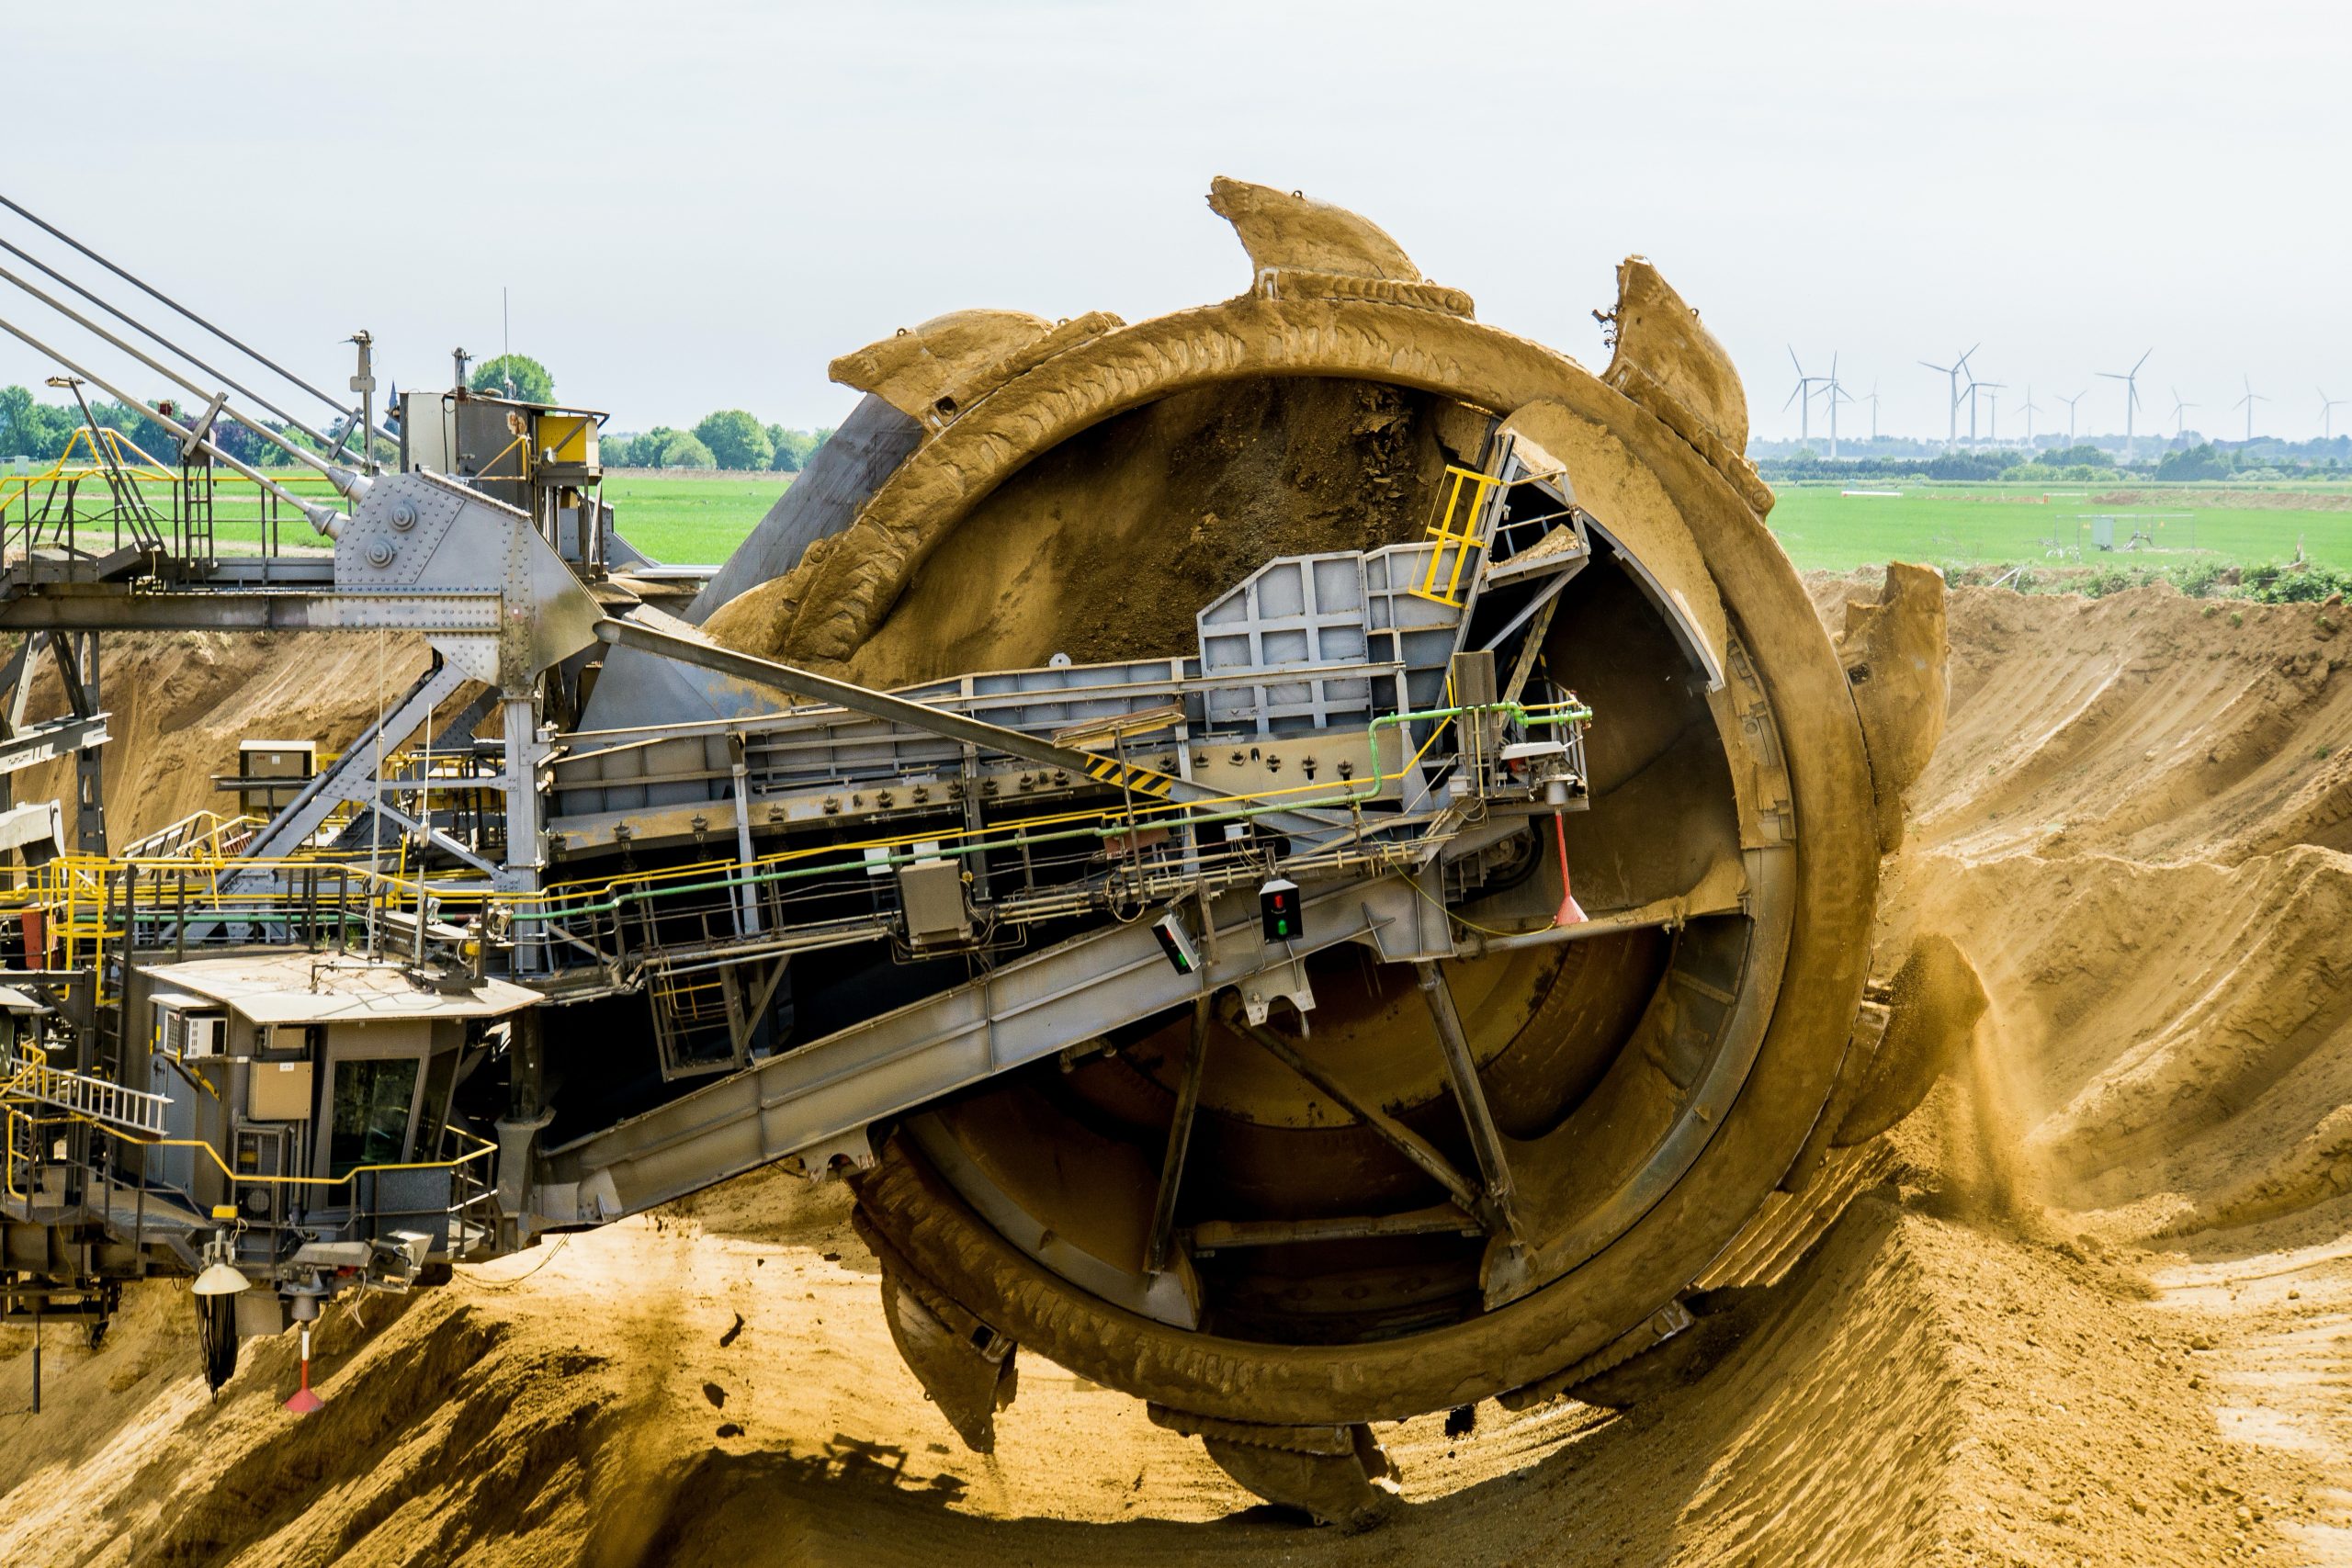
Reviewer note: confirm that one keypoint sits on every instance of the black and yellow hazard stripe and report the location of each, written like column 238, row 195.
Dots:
column 1123, row 776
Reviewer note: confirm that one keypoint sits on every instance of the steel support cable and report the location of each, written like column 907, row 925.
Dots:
column 314, row 460
column 145, row 287
column 143, row 328
column 325, row 519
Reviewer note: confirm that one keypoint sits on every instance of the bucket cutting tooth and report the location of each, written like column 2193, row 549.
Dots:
column 1340, row 1474
column 967, row 1367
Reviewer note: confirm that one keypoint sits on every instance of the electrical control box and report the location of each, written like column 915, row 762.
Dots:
column 931, row 893
column 270, row 773
column 279, row 1091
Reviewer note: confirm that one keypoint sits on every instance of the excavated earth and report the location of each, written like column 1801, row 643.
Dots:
column 2100, row 1313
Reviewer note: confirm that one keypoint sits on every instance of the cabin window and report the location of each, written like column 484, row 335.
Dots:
column 438, row 1081
column 372, row 1099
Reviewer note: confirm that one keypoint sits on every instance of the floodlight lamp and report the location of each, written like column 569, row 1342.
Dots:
column 221, row 1278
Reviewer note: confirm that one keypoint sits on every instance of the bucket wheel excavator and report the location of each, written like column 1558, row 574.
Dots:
column 1482, row 1142
column 1309, row 860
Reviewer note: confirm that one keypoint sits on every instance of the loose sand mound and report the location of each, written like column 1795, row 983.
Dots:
column 2096, row 1319
column 2144, row 724
column 2139, row 818
column 2248, row 499
column 1923, row 1383
column 179, row 703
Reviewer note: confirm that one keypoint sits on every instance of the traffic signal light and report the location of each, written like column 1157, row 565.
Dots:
column 1176, row 943
column 1278, row 911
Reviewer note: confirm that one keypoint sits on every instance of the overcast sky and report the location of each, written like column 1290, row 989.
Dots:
column 697, row 205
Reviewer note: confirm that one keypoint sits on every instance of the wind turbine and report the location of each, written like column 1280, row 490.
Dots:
column 2327, row 407
column 2178, row 407
column 2130, row 380
column 1973, row 387
column 1872, row 400
column 2178, row 423
column 1956, row 369
column 2030, row 409
column 1803, row 397
column 2071, row 412
column 2247, row 402
column 1834, row 394
column 1992, row 404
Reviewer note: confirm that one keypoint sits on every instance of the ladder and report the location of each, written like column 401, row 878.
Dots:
column 130, row 1110
column 694, row 1020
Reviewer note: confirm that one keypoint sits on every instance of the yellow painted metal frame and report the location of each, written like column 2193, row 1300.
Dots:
column 138, row 465
column 125, row 453
column 1464, row 539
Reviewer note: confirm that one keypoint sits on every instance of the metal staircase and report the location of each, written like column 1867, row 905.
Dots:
column 347, row 778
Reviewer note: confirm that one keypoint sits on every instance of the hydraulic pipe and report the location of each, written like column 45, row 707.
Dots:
column 323, row 518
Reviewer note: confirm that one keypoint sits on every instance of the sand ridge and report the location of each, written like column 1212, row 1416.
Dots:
column 2096, row 1317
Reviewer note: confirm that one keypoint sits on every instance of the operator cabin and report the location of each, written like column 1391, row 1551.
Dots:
column 319, row 1088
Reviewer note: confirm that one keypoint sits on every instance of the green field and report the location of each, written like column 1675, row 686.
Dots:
column 700, row 521
column 1992, row 525
column 689, row 521
column 684, row 521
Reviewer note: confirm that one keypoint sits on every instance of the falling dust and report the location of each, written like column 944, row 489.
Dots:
column 2097, row 1315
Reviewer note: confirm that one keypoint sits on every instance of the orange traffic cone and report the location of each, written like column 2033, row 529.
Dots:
column 304, row 1401
column 1571, row 912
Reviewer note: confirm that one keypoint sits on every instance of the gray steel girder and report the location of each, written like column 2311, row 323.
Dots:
column 622, row 633
column 351, row 776
column 281, row 609
column 1018, row 1013
column 53, row 738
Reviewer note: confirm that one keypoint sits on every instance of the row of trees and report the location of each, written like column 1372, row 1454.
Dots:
column 1944, row 465
column 42, row 431
column 30, row 428
column 2207, row 461
column 731, row 438
column 2081, row 464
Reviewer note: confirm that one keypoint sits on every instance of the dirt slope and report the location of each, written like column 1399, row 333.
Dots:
column 2098, row 1318
column 179, row 703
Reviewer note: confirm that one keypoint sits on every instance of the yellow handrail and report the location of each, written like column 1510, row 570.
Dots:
column 487, row 1148
column 78, row 890
column 62, row 467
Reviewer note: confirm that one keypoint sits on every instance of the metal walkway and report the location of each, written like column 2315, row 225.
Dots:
column 830, row 1089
